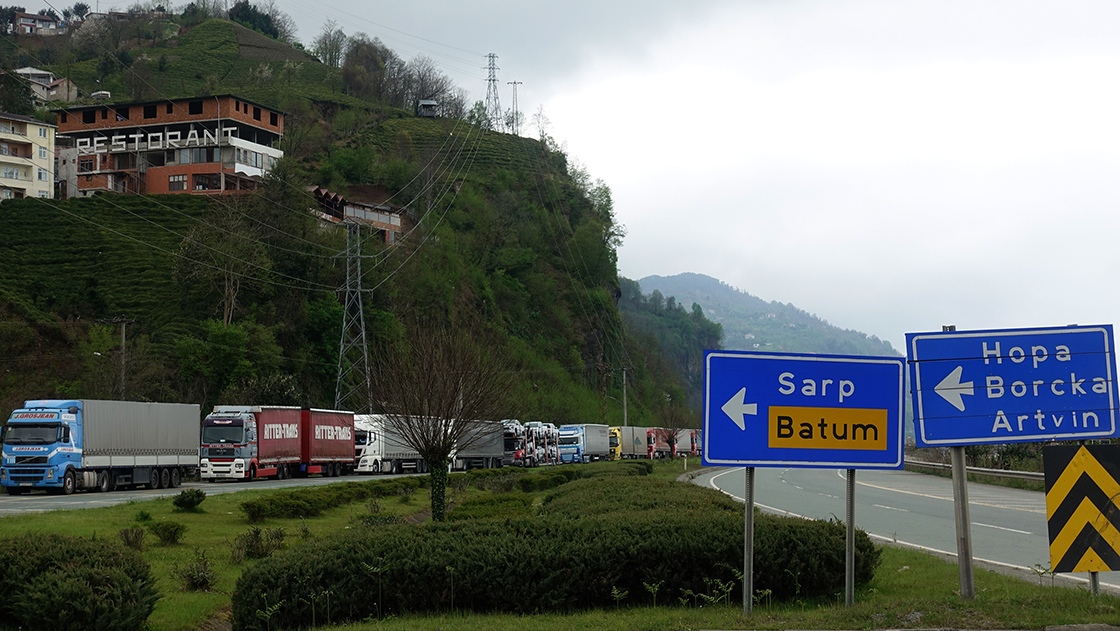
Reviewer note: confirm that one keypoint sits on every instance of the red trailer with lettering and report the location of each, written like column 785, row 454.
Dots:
column 327, row 442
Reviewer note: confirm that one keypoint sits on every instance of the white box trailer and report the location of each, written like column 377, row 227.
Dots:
column 381, row 450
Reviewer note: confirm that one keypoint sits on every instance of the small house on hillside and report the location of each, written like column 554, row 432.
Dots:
column 428, row 109
column 32, row 24
column 381, row 216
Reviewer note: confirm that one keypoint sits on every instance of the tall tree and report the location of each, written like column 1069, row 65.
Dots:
column 442, row 387
column 224, row 255
column 330, row 44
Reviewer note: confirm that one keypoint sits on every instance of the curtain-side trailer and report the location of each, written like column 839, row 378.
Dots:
column 65, row 445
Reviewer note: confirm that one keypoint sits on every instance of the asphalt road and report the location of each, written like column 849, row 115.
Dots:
column 37, row 502
column 912, row 509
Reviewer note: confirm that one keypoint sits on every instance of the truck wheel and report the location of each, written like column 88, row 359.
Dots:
column 102, row 482
column 68, row 483
column 176, row 480
column 252, row 473
column 153, row 479
column 395, row 468
column 15, row 490
column 165, row 479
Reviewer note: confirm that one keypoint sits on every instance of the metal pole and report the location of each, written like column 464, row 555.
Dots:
column 123, row 396
column 1094, row 583
column 748, row 545
column 624, row 418
column 850, row 550
column 964, row 526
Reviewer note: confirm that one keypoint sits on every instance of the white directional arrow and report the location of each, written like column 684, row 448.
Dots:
column 735, row 408
column 951, row 388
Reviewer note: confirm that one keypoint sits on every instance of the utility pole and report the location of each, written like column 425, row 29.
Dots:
column 353, row 390
column 515, row 119
column 493, row 106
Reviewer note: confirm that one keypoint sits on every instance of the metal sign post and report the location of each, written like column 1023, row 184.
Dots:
column 850, row 549
column 748, row 545
column 964, row 525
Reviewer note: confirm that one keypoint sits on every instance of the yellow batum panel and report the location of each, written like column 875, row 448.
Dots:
column 828, row 428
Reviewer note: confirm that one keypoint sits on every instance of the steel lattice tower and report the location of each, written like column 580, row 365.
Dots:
column 353, row 390
column 515, row 119
column 493, row 105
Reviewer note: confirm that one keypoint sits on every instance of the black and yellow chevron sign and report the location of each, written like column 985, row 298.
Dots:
column 1083, row 507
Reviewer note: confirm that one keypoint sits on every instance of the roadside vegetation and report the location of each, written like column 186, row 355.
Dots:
column 239, row 546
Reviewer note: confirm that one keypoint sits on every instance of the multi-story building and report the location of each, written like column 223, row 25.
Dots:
column 374, row 211
column 211, row 145
column 26, row 157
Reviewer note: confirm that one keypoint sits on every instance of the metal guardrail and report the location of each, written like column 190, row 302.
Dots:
column 995, row 473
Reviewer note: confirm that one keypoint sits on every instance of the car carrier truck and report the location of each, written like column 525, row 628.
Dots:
column 64, row 445
column 249, row 442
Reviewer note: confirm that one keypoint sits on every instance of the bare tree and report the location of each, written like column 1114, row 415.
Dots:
column 224, row 255
column 285, row 26
column 330, row 44
column 441, row 388
column 427, row 81
column 673, row 418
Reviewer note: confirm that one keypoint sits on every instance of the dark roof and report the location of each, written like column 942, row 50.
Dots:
column 25, row 119
column 184, row 99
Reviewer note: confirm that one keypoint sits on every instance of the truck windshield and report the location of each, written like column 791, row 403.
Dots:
column 212, row 434
column 361, row 437
column 614, row 440
column 569, row 440
column 31, row 433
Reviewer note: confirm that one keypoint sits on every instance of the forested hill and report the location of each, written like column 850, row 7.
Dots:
column 750, row 323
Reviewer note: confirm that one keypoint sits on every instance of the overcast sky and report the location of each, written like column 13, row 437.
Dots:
column 889, row 166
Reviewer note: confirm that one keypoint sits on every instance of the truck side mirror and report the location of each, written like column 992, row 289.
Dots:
column 65, row 433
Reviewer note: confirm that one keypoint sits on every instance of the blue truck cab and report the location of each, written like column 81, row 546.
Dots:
column 42, row 446
column 571, row 443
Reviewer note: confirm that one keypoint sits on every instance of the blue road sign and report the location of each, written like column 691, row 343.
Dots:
column 1013, row 385
column 788, row 410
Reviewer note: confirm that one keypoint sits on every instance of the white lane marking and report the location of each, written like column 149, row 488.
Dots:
column 901, row 510
column 897, row 541
column 1022, row 532
column 971, row 501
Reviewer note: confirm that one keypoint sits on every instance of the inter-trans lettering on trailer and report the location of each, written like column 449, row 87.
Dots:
column 290, row 442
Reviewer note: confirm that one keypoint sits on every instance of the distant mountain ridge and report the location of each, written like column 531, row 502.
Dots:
column 752, row 324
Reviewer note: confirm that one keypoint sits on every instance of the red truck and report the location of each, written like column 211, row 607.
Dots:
column 657, row 442
column 248, row 442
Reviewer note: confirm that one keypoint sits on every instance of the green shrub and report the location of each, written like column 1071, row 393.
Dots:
column 596, row 535
column 143, row 516
column 198, row 575
column 504, row 505
column 189, row 499
column 256, row 543
column 380, row 519
column 312, row 501
column 56, row 582
column 132, row 537
column 169, row 532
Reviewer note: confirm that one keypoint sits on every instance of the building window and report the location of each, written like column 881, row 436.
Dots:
column 273, row 119
column 237, row 106
column 62, row 117
column 122, row 113
column 149, row 111
column 256, row 113
column 177, row 183
column 207, row 182
column 43, row 132
column 170, row 108
column 89, row 116
column 44, row 175
column 11, row 173
column 5, row 193
column 44, row 194
column 104, row 113
column 194, row 108
column 43, row 153
column 85, row 165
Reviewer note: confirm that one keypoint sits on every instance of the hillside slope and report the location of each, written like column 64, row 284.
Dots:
column 750, row 323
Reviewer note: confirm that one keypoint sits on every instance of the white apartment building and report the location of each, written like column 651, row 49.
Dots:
column 26, row 157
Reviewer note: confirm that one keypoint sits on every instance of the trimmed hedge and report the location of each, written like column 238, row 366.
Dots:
column 502, row 505
column 312, row 501
column 56, row 582
column 563, row 560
